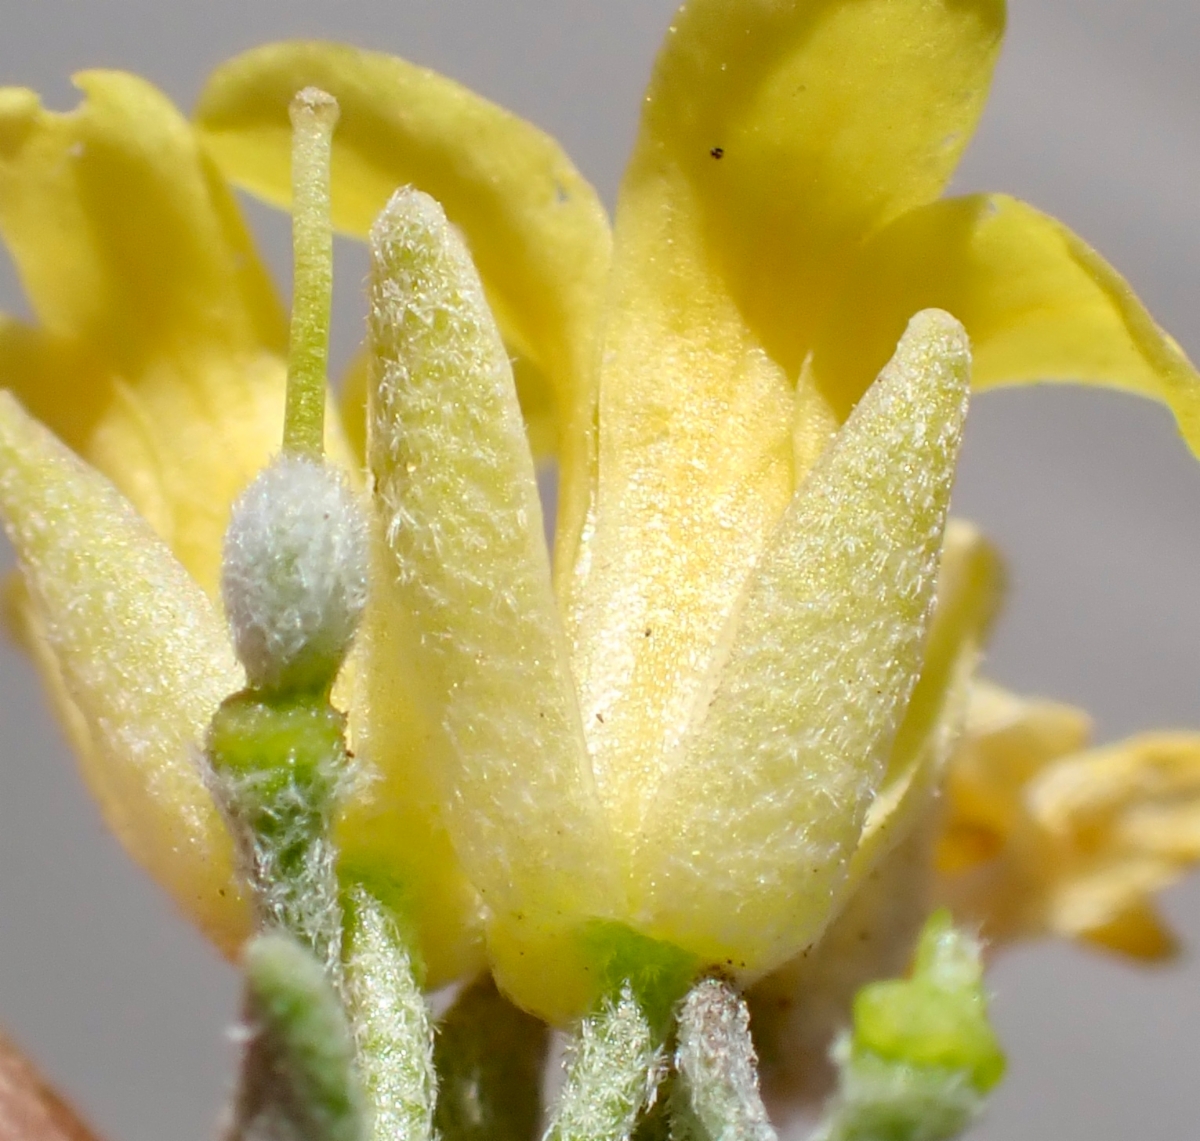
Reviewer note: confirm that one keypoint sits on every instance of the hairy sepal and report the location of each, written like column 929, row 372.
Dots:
column 754, row 828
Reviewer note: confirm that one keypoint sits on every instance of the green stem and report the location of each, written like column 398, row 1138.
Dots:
column 392, row 1029
column 718, row 1098
column 297, row 1075
column 614, row 1067
column 314, row 115
column 277, row 764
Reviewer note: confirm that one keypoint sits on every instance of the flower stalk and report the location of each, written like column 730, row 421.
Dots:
column 718, row 1094
column 614, row 1068
column 392, row 1029
column 297, row 1078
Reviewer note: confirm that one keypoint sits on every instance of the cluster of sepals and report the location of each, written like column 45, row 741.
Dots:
column 701, row 752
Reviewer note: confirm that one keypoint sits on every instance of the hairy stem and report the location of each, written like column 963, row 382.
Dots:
column 718, row 1092
column 277, row 764
column 297, row 1080
column 392, row 1030
column 613, row 1071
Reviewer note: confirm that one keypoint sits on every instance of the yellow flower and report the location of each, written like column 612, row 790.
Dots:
column 159, row 358
column 1046, row 835
column 778, row 226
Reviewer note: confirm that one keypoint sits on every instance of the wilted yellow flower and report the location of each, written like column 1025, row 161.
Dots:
column 635, row 756
column 1045, row 834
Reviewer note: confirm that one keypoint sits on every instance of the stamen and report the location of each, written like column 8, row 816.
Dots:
column 314, row 113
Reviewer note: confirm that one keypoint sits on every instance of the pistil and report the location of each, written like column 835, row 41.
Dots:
column 314, row 115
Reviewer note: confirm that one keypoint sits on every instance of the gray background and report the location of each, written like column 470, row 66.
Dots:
column 1093, row 498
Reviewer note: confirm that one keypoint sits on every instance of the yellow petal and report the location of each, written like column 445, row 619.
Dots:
column 160, row 333
column 1114, row 825
column 56, row 378
column 352, row 405
column 390, row 833
column 136, row 659
column 1038, row 303
column 123, row 234
column 1007, row 740
column 1139, row 932
column 536, row 229
column 469, row 578
column 775, row 137
column 1074, row 841
column 751, row 828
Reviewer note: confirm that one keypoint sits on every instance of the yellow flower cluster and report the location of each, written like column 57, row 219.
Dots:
column 709, row 725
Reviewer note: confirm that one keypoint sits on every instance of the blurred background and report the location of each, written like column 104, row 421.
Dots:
column 1092, row 497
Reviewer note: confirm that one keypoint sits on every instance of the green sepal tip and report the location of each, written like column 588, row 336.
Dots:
column 938, row 1017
